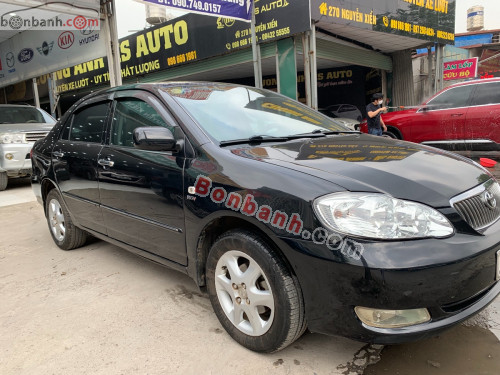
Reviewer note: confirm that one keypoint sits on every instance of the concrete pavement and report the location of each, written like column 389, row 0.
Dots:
column 102, row 310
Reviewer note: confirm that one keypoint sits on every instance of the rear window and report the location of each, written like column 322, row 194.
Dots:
column 487, row 93
column 453, row 98
column 88, row 124
column 22, row 115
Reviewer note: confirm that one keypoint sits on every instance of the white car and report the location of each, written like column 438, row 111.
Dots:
column 343, row 110
column 20, row 127
column 346, row 121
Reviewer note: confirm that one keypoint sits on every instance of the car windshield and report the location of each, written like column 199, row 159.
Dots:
column 23, row 114
column 228, row 112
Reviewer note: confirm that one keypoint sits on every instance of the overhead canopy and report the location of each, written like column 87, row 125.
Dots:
column 39, row 37
column 387, row 26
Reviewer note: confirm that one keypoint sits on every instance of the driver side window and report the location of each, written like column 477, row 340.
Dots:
column 130, row 114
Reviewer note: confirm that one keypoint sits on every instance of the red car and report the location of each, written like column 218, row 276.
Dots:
column 462, row 116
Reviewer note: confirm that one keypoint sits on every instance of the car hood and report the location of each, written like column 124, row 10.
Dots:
column 359, row 162
column 25, row 127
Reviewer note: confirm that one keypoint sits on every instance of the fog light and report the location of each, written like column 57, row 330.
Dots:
column 9, row 156
column 391, row 318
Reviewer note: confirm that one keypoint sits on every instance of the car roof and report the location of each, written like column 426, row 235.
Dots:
column 475, row 81
column 159, row 85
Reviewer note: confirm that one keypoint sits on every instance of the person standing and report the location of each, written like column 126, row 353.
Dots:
column 375, row 123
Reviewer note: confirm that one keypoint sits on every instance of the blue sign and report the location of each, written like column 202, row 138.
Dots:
column 237, row 9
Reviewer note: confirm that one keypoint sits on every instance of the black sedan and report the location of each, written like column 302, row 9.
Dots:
column 288, row 219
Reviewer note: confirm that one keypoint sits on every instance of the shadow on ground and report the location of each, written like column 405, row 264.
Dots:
column 18, row 182
column 462, row 350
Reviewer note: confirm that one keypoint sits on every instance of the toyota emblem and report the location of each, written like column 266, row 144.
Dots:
column 489, row 200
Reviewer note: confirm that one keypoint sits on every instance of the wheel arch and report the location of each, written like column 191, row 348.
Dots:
column 222, row 224
column 394, row 130
column 46, row 186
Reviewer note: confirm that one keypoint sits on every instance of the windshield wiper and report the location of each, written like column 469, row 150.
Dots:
column 320, row 133
column 328, row 132
column 254, row 139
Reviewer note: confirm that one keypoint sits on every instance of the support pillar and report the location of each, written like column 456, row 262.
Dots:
column 35, row 93
column 112, row 44
column 286, row 72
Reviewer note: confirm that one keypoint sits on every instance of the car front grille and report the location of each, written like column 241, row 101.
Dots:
column 479, row 207
column 35, row 136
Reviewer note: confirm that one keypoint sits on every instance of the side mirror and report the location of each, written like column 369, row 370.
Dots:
column 154, row 138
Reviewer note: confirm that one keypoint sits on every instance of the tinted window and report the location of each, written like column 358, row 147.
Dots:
column 452, row 98
column 231, row 112
column 130, row 114
column 88, row 124
column 487, row 93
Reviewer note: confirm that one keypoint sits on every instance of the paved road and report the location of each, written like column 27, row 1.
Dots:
column 102, row 310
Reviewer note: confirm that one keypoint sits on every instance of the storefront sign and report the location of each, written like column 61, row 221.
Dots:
column 185, row 39
column 274, row 19
column 432, row 20
column 460, row 69
column 34, row 53
column 234, row 9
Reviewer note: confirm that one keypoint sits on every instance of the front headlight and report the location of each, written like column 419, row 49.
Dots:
column 12, row 138
column 380, row 216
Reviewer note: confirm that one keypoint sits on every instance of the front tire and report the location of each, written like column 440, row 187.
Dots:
column 254, row 295
column 389, row 134
column 63, row 232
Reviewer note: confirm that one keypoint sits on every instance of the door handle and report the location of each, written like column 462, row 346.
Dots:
column 105, row 163
column 58, row 154
column 457, row 114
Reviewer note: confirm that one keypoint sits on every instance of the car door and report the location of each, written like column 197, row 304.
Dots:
column 74, row 158
column 142, row 191
column 442, row 119
column 482, row 125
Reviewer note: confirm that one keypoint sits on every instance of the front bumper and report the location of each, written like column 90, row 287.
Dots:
column 453, row 278
column 19, row 162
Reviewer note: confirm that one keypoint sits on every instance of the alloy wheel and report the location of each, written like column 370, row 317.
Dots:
column 244, row 293
column 56, row 220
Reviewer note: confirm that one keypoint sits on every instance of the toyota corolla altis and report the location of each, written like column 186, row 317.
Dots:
column 286, row 218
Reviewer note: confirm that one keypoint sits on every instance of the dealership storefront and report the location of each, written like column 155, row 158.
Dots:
column 319, row 52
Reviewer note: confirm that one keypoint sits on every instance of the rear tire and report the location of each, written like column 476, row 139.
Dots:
column 61, row 227
column 3, row 181
column 254, row 295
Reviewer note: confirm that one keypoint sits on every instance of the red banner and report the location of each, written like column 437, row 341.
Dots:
column 460, row 69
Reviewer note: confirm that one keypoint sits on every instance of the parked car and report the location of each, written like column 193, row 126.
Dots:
column 463, row 116
column 343, row 111
column 20, row 127
column 286, row 218
column 346, row 121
